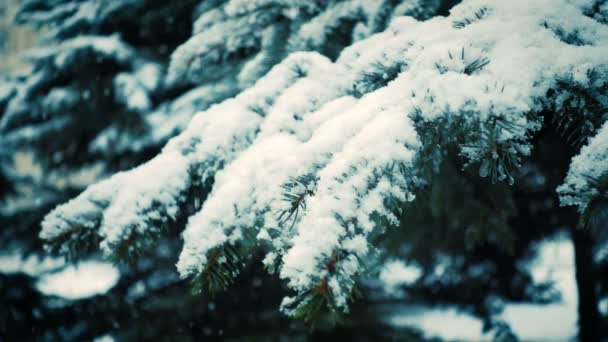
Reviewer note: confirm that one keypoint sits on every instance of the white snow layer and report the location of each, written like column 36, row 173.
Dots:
column 396, row 273
column 302, row 118
column 587, row 167
column 55, row 277
column 530, row 322
column 82, row 280
column 33, row 266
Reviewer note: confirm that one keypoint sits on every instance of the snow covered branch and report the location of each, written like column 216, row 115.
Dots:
column 351, row 128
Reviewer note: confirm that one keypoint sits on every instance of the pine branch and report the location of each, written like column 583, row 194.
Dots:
column 476, row 65
column 478, row 15
column 463, row 63
column 579, row 109
column 364, row 150
column 224, row 264
column 296, row 192
column 378, row 76
column 595, row 215
column 498, row 158
column 319, row 302
column 75, row 244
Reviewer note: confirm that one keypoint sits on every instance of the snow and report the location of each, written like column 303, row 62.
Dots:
column 586, row 169
column 64, row 54
column 452, row 90
column 311, row 116
column 201, row 58
column 164, row 122
column 265, row 30
column 529, row 322
column 14, row 263
column 104, row 338
column 132, row 93
column 150, row 75
column 86, row 279
column 603, row 306
column 7, row 89
column 68, row 19
column 31, row 115
column 121, row 209
column 396, row 273
column 313, row 34
column 448, row 324
column 56, row 277
column 215, row 214
column 555, row 263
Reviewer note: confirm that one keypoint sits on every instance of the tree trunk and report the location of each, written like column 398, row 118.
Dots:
column 586, row 280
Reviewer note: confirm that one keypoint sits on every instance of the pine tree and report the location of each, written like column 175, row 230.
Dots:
column 112, row 58
column 320, row 156
column 97, row 59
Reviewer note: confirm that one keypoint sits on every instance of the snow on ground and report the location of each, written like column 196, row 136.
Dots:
column 604, row 306
column 553, row 322
column 32, row 266
column 448, row 324
column 397, row 273
column 85, row 279
column 104, row 338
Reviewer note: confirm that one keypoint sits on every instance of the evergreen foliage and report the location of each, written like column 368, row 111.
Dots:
column 331, row 135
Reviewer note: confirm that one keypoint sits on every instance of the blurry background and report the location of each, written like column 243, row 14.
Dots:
column 13, row 39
